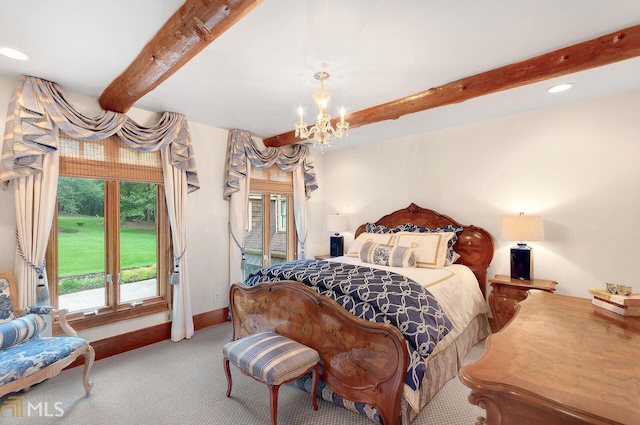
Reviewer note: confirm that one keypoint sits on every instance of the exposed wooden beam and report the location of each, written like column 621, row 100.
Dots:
column 614, row 47
column 192, row 28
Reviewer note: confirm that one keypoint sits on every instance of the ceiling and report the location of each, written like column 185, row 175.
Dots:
column 257, row 73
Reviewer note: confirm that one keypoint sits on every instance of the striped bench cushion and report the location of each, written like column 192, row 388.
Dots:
column 270, row 357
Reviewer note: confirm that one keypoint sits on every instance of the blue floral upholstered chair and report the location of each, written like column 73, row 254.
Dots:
column 26, row 358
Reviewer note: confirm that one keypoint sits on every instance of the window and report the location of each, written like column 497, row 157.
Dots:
column 109, row 253
column 281, row 209
column 270, row 201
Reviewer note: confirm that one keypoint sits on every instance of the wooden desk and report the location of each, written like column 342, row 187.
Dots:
column 561, row 361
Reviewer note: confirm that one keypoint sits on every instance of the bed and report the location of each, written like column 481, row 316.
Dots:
column 370, row 364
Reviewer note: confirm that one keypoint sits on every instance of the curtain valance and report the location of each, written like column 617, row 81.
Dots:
column 38, row 109
column 241, row 147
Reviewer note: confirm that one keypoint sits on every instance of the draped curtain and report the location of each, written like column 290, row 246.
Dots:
column 175, row 183
column 37, row 113
column 300, row 211
column 241, row 149
column 35, row 199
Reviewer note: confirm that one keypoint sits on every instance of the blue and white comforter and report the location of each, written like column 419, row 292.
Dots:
column 374, row 295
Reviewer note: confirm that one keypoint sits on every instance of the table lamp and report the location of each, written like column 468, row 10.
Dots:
column 335, row 224
column 522, row 228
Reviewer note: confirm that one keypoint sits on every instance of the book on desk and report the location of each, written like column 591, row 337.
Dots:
column 624, row 305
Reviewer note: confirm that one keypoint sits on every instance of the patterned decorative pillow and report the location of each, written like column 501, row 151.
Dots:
column 6, row 308
column 452, row 256
column 379, row 228
column 20, row 329
column 387, row 255
column 430, row 248
column 384, row 238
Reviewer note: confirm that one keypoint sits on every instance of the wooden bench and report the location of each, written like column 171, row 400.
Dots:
column 273, row 360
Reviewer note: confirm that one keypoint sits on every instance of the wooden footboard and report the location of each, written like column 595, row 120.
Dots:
column 362, row 361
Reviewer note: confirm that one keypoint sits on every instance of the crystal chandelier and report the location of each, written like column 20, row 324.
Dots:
column 322, row 131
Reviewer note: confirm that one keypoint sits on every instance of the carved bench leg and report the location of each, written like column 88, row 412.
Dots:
column 314, row 386
column 273, row 396
column 89, row 357
column 228, row 373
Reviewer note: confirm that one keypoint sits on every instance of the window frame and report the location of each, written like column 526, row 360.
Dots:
column 115, row 311
column 267, row 188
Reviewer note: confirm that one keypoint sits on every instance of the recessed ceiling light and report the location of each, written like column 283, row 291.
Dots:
column 13, row 53
column 560, row 87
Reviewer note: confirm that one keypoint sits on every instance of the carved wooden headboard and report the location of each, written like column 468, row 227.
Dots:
column 475, row 245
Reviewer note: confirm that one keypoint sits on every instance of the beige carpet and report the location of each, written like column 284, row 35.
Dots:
column 184, row 383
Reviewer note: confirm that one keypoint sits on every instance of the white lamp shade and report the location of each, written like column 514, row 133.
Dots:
column 522, row 228
column 337, row 223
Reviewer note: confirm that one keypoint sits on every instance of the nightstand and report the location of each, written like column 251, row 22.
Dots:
column 323, row 256
column 506, row 292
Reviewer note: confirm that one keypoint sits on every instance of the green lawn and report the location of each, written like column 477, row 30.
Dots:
column 81, row 248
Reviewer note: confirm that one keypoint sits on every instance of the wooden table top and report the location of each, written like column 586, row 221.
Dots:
column 544, row 284
column 568, row 355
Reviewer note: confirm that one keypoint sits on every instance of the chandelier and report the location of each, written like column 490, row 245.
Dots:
column 322, row 131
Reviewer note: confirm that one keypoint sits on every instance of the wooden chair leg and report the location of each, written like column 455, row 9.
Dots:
column 314, row 386
column 89, row 358
column 273, row 395
column 227, row 371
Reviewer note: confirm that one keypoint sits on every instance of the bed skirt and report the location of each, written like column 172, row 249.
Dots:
column 441, row 368
column 444, row 366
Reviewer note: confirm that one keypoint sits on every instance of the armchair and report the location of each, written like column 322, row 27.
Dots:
column 26, row 358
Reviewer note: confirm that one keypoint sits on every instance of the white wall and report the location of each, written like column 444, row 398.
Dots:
column 207, row 217
column 576, row 165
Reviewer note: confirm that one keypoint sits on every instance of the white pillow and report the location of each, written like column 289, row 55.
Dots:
column 430, row 249
column 383, row 238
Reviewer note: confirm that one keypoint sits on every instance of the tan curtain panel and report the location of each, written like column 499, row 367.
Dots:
column 38, row 111
column 241, row 147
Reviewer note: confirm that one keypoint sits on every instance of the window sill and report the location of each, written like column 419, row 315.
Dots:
column 105, row 317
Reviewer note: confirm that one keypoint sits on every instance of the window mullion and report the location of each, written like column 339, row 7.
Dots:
column 164, row 251
column 112, row 241
column 52, row 260
column 266, row 229
column 292, row 233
